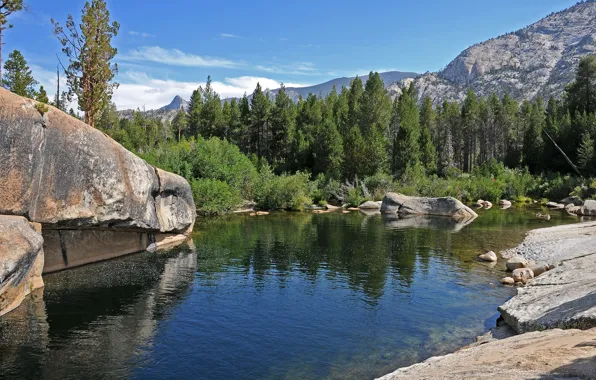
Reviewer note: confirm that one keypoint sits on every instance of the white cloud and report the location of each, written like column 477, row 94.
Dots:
column 298, row 68
column 228, row 35
column 174, row 57
column 140, row 34
column 151, row 93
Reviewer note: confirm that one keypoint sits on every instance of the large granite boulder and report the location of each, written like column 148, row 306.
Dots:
column 58, row 171
column 21, row 261
column 588, row 209
column 402, row 204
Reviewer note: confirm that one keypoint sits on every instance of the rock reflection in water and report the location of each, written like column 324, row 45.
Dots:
column 106, row 316
column 397, row 222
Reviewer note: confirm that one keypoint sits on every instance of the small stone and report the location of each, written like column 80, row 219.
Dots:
column 516, row 263
column 507, row 281
column 523, row 275
column 504, row 202
column 261, row 213
column 353, row 209
column 489, row 257
column 487, row 205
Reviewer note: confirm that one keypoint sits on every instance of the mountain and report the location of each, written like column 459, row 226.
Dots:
column 323, row 89
column 539, row 59
column 176, row 104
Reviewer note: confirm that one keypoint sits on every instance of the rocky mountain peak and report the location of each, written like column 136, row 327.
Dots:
column 538, row 59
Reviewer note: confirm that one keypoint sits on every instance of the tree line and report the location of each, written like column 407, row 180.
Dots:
column 359, row 131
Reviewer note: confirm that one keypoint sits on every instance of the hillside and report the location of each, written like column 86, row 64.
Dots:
column 538, row 59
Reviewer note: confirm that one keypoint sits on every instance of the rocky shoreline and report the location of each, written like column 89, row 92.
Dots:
column 562, row 298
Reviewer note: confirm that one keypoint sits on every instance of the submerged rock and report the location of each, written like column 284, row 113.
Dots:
column 21, row 261
column 490, row 257
column 402, row 204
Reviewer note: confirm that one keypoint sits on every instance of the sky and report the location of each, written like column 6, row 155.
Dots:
column 168, row 48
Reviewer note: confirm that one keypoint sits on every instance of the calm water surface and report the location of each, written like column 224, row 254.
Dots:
column 294, row 296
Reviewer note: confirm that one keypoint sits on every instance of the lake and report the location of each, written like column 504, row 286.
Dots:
column 283, row 296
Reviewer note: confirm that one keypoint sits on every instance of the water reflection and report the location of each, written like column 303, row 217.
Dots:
column 94, row 321
column 283, row 296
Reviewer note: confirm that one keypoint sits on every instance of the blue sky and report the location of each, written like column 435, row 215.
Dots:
column 168, row 48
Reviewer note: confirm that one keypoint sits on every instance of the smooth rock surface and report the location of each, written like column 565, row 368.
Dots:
column 547, row 355
column 21, row 261
column 369, row 205
column 57, row 170
column 574, row 201
column 564, row 296
column 402, row 204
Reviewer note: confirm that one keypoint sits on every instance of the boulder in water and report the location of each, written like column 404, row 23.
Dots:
column 21, row 261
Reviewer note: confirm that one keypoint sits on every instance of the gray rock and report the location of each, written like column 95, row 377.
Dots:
column 504, row 202
column 555, row 206
column 369, row 205
column 516, row 263
column 507, row 281
column 573, row 201
column 402, row 204
column 522, row 275
column 490, row 257
column 392, row 202
column 564, row 297
column 21, row 261
column 588, row 209
column 57, row 170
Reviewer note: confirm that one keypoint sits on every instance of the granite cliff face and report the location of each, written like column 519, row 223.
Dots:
column 87, row 198
column 539, row 59
column 60, row 172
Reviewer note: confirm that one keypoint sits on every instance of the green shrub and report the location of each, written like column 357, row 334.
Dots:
column 213, row 197
column 283, row 192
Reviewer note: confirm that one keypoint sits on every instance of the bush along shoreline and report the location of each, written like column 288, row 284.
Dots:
column 223, row 180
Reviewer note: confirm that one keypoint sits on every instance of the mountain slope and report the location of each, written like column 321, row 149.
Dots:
column 539, row 59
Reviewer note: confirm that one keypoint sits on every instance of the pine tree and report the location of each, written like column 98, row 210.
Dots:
column 586, row 157
column 406, row 143
column 7, row 7
column 259, row 122
column 470, row 113
column 428, row 124
column 210, row 123
column 195, row 105
column 42, row 96
column 180, row 124
column 17, row 76
column 90, row 72
column 375, row 115
column 581, row 94
column 283, row 116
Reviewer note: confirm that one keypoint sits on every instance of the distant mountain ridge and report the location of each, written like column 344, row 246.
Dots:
column 176, row 104
column 324, row 89
column 539, row 59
